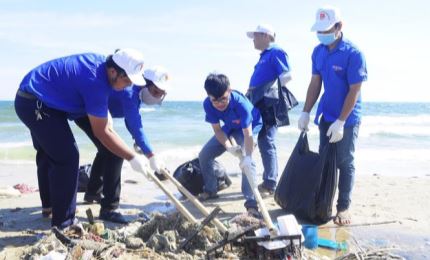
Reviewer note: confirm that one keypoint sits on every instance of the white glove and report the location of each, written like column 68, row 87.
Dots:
column 335, row 131
column 303, row 122
column 246, row 163
column 235, row 150
column 156, row 164
column 138, row 164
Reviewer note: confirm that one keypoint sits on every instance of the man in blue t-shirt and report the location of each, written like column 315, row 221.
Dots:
column 339, row 66
column 273, row 65
column 242, row 122
column 105, row 174
column 68, row 88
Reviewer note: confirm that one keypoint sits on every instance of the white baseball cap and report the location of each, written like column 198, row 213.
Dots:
column 131, row 61
column 262, row 28
column 326, row 17
column 158, row 75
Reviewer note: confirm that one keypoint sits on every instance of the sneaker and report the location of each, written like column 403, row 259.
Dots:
column 91, row 199
column 253, row 212
column 224, row 184
column 46, row 212
column 265, row 192
column 112, row 216
column 207, row 196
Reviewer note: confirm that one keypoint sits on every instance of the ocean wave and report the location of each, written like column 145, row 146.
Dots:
column 16, row 144
column 146, row 109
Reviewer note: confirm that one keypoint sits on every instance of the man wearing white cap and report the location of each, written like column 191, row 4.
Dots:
column 340, row 67
column 68, row 88
column 105, row 177
column 272, row 65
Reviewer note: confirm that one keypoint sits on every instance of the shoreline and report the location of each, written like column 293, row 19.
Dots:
column 376, row 198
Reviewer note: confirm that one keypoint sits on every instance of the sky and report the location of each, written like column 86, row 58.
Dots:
column 195, row 37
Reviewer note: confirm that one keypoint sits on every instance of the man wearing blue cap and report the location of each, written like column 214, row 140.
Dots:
column 340, row 67
column 67, row 88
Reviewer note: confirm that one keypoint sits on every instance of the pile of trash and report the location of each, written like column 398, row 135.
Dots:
column 161, row 236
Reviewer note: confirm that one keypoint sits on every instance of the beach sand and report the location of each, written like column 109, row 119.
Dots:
column 377, row 198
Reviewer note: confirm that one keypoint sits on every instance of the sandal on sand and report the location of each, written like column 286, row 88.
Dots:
column 342, row 218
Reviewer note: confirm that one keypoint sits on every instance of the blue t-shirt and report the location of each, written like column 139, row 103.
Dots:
column 76, row 84
column 339, row 69
column 272, row 63
column 125, row 104
column 239, row 114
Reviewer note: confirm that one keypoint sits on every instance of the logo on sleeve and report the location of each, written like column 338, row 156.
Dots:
column 337, row 68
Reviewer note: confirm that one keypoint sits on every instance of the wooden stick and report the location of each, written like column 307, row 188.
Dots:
column 175, row 201
column 258, row 198
column 194, row 200
column 360, row 224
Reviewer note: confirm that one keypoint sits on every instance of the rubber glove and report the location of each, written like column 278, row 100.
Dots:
column 138, row 164
column 335, row 131
column 246, row 163
column 156, row 164
column 235, row 150
column 303, row 122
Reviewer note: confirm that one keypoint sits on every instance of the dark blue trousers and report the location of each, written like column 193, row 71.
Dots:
column 105, row 171
column 57, row 158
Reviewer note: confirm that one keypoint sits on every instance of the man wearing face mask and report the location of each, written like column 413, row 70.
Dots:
column 124, row 104
column 340, row 67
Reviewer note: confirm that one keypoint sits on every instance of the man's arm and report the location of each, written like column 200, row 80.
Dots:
column 109, row 138
column 313, row 93
column 220, row 135
column 248, row 141
column 350, row 100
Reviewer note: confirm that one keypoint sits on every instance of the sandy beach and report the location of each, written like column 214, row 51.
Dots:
column 402, row 201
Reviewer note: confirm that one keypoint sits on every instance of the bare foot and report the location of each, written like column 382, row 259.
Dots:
column 342, row 218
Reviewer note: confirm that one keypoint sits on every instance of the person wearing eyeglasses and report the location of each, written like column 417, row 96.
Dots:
column 339, row 66
column 241, row 121
column 105, row 176
column 65, row 89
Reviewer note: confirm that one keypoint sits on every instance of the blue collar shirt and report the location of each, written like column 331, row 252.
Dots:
column 339, row 68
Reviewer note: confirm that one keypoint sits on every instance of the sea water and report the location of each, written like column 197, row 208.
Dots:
column 394, row 138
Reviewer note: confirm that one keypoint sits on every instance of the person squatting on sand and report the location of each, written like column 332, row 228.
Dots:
column 65, row 89
column 105, row 174
column 341, row 67
column 241, row 121
column 273, row 64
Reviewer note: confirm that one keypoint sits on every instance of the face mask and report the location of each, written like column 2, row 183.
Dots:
column 148, row 99
column 326, row 39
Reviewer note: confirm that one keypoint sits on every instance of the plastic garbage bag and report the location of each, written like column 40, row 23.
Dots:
column 308, row 183
column 190, row 176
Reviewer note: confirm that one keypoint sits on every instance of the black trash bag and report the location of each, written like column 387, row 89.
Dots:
column 190, row 176
column 84, row 177
column 307, row 186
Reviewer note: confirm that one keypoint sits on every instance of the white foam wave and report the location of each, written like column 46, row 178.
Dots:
column 15, row 144
column 146, row 109
column 413, row 126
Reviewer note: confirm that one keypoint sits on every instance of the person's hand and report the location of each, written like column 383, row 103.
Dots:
column 235, row 150
column 246, row 163
column 156, row 164
column 138, row 164
column 303, row 122
column 335, row 131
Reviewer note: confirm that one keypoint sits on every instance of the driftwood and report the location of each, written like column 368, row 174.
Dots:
column 360, row 224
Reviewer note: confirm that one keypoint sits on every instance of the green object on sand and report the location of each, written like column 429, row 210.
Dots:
column 327, row 243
